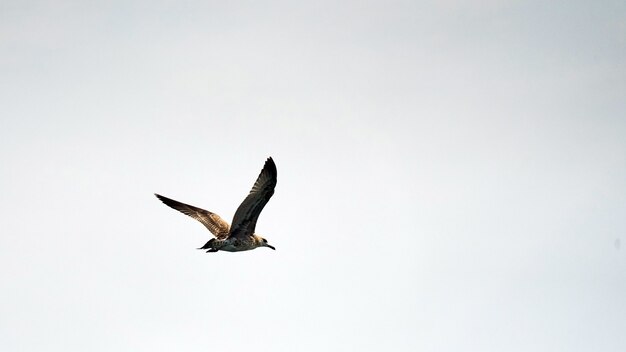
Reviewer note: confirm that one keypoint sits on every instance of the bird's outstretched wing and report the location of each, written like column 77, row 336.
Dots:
column 211, row 221
column 244, row 221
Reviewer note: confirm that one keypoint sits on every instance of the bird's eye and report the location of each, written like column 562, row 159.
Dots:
column 264, row 240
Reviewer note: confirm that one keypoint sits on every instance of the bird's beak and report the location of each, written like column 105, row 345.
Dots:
column 272, row 247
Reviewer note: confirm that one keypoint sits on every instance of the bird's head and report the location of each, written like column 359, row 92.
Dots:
column 265, row 244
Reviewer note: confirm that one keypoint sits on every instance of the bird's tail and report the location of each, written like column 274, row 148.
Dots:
column 208, row 245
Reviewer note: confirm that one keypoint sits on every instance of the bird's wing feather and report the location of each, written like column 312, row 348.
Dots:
column 246, row 216
column 211, row 221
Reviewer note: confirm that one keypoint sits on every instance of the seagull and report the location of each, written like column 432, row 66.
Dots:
column 240, row 236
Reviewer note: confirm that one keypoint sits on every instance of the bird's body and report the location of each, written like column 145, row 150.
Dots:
column 234, row 244
column 240, row 236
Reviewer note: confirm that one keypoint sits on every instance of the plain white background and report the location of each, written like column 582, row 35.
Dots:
column 451, row 175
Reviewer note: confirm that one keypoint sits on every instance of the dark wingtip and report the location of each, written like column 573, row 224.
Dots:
column 167, row 201
column 270, row 165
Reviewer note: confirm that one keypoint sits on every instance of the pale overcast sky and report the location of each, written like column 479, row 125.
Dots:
column 451, row 175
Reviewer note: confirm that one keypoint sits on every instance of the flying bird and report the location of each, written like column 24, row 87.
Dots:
column 240, row 235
